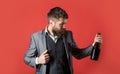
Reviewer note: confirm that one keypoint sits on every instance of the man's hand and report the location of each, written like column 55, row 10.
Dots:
column 43, row 58
column 98, row 38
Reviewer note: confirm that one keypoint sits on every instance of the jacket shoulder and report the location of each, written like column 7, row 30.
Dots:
column 37, row 34
column 41, row 32
column 67, row 32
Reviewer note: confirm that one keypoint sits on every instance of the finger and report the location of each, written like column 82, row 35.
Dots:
column 98, row 35
column 100, row 41
column 47, row 57
column 99, row 38
column 47, row 60
column 45, row 52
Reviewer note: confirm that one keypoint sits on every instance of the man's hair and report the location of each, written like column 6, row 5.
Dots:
column 57, row 13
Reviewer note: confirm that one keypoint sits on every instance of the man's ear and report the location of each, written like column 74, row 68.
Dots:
column 51, row 22
column 60, row 19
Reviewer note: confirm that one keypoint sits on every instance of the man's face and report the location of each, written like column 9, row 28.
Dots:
column 59, row 26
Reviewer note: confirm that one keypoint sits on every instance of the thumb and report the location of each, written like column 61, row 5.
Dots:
column 45, row 52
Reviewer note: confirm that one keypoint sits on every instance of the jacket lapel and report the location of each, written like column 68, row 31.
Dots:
column 69, row 57
column 43, row 48
column 42, row 41
column 66, row 48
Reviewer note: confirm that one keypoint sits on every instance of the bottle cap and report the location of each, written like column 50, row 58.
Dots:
column 99, row 33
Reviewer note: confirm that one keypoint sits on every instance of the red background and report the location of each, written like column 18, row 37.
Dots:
column 20, row 18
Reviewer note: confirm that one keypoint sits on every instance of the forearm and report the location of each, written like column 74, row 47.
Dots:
column 30, row 61
column 81, row 53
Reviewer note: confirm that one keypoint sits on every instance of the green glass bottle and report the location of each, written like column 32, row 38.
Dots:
column 96, row 50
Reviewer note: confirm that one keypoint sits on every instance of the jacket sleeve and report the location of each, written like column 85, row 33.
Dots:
column 78, row 53
column 31, row 53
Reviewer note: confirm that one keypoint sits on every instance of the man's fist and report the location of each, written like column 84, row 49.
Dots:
column 43, row 58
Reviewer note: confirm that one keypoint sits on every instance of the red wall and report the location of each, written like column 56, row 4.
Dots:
column 20, row 18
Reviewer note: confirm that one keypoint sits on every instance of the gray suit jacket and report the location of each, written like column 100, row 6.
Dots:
column 38, row 46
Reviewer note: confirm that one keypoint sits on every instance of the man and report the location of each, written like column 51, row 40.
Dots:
column 51, row 49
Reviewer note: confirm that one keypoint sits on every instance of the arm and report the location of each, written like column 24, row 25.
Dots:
column 31, row 57
column 81, row 53
column 77, row 52
column 31, row 54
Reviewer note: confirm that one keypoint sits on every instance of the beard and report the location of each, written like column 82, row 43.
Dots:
column 58, row 33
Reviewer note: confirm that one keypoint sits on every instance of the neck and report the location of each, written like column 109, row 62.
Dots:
column 49, row 29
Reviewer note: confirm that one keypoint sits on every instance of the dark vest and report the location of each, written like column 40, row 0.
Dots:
column 58, row 63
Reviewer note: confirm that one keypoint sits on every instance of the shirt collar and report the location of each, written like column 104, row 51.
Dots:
column 46, row 31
